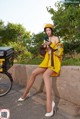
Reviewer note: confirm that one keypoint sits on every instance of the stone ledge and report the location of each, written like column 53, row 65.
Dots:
column 65, row 87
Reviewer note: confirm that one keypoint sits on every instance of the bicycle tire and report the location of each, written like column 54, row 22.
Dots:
column 10, row 81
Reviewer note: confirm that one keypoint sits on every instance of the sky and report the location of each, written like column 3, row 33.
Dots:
column 32, row 14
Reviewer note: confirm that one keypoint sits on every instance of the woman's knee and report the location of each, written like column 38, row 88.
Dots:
column 45, row 75
column 33, row 74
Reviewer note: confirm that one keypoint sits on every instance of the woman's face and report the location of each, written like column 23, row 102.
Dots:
column 48, row 32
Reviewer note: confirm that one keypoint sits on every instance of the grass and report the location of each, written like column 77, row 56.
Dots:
column 71, row 61
column 65, row 61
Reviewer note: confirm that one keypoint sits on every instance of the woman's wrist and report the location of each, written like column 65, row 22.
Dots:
column 49, row 43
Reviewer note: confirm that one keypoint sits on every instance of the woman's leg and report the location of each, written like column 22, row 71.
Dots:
column 48, row 86
column 32, row 79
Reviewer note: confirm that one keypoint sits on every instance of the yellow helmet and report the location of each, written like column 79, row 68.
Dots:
column 48, row 26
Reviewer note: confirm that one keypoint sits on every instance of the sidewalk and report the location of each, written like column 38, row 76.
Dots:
column 32, row 108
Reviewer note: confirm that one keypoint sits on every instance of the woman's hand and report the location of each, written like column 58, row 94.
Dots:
column 44, row 44
column 48, row 43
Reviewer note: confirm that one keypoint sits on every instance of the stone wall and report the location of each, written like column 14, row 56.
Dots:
column 66, row 87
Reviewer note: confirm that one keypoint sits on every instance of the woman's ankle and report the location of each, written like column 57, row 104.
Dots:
column 25, row 95
column 49, row 110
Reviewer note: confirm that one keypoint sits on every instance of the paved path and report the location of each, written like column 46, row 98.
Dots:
column 32, row 108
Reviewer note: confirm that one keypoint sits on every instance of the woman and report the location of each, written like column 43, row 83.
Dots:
column 47, row 69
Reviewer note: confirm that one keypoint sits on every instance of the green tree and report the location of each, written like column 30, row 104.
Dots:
column 35, row 42
column 15, row 33
column 66, row 20
column 1, row 29
column 1, row 25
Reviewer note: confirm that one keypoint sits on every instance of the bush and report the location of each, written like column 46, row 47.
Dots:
column 71, row 47
column 71, row 61
column 35, row 60
column 21, row 53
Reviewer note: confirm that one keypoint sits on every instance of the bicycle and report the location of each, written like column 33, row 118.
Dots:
column 6, row 62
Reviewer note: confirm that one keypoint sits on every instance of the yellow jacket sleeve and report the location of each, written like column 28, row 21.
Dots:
column 59, row 47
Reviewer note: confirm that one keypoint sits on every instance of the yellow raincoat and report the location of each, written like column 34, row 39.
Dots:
column 57, row 58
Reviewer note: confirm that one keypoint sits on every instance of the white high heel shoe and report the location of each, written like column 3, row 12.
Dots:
column 52, row 112
column 22, row 99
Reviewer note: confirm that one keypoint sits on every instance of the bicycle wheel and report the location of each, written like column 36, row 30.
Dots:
column 5, row 83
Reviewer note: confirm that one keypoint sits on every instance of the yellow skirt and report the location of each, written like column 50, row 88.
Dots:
column 46, row 63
